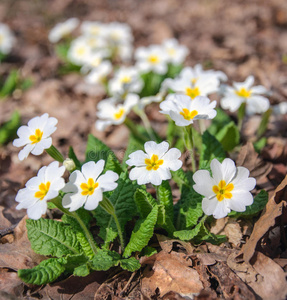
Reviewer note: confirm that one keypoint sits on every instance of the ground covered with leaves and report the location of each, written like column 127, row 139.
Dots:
column 240, row 38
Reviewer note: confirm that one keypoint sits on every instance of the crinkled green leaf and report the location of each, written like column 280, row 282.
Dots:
column 122, row 199
column 50, row 237
column 221, row 119
column 165, row 198
column 75, row 261
column 82, row 270
column 47, row 271
column 164, row 221
column 77, row 229
column 211, row 148
column 113, row 164
column 199, row 234
column 104, row 260
column 97, row 150
column 130, row 264
column 189, row 207
column 148, row 251
column 8, row 130
column 142, row 233
column 133, row 145
column 144, row 202
column 229, row 136
column 258, row 204
column 180, row 177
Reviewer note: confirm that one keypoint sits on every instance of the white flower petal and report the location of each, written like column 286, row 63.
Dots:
column 37, row 210
column 92, row 169
column 94, row 199
column 203, row 183
column 107, row 181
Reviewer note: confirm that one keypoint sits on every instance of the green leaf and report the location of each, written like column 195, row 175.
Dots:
column 165, row 198
column 133, row 145
column 144, row 202
column 75, row 261
column 199, row 234
column 78, row 231
column 47, row 271
column 123, row 202
column 180, row 177
column 104, row 260
column 8, row 130
column 142, row 233
column 82, row 271
column 73, row 156
column 221, row 119
column 229, row 136
column 258, row 204
column 113, row 164
column 148, row 251
column 130, row 264
column 10, row 84
column 211, row 148
column 97, row 150
column 189, row 208
column 164, row 221
column 260, row 144
column 50, row 237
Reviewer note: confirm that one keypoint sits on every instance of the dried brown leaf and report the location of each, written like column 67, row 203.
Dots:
column 19, row 254
column 249, row 159
column 266, row 220
column 170, row 272
column 10, row 283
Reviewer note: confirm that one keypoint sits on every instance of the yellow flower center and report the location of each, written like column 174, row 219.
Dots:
column 126, row 79
column 43, row 190
column 81, row 51
column 171, row 51
column 119, row 114
column 153, row 59
column 36, row 138
column 222, row 190
column 243, row 93
column 89, row 187
column 153, row 163
column 188, row 115
column 192, row 92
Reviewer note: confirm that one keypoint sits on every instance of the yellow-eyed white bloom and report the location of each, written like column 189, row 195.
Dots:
column 184, row 111
column 176, row 53
column 92, row 28
column 244, row 92
column 126, row 80
column 79, row 50
column 7, row 39
column 36, row 136
column 110, row 112
column 62, row 29
column 151, row 58
column 86, row 188
column 154, row 165
column 227, row 189
column 119, row 33
column 38, row 190
column 99, row 74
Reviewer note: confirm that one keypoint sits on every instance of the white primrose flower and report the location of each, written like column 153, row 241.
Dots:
column 99, row 74
column 184, row 111
column 244, row 92
column 280, row 109
column 36, row 136
column 125, row 52
column 110, row 112
column 38, row 190
column 78, row 51
column 203, row 85
column 7, row 39
column 62, row 29
column 86, row 188
column 154, row 165
column 91, row 28
column 228, row 188
column 93, row 60
column 176, row 53
column 119, row 33
column 151, row 58
column 126, row 80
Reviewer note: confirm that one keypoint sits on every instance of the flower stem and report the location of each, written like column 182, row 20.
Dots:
column 240, row 115
column 146, row 123
column 190, row 146
column 55, row 153
column 134, row 130
column 89, row 237
column 108, row 206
